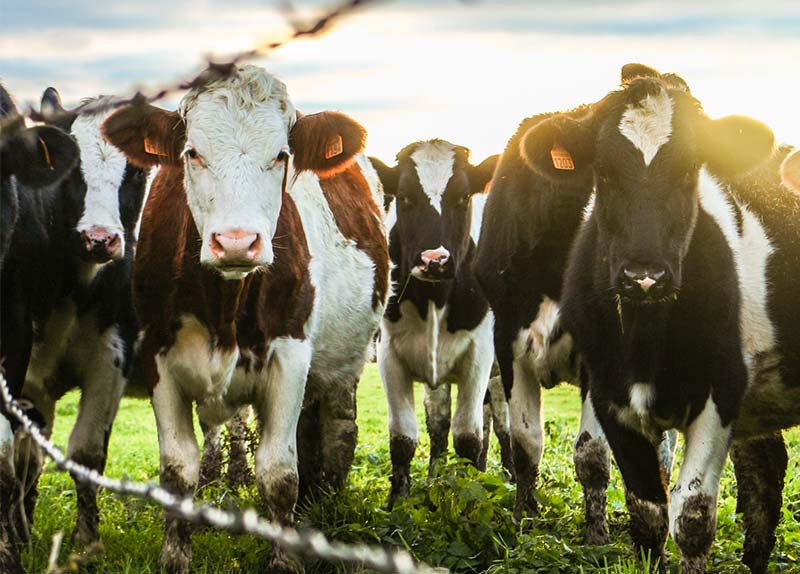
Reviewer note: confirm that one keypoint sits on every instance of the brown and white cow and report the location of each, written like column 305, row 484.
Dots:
column 262, row 264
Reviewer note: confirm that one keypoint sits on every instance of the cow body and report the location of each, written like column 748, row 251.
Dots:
column 666, row 297
column 437, row 326
column 216, row 334
column 32, row 162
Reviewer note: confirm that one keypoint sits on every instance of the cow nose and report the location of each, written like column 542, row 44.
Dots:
column 438, row 256
column 101, row 243
column 236, row 246
column 645, row 280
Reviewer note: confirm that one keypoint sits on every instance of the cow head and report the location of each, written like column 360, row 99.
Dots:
column 236, row 139
column 647, row 146
column 790, row 171
column 35, row 157
column 432, row 186
column 106, row 191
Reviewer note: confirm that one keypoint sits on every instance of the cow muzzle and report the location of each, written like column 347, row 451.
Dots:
column 645, row 283
column 237, row 251
column 435, row 265
column 102, row 245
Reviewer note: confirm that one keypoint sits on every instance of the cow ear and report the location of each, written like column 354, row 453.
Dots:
column 480, row 175
column 634, row 70
column 790, row 171
column 51, row 102
column 326, row 143
column 387, row 175
column 734, row 144
column 147, row 135
column 40, row 156
column 558, row 148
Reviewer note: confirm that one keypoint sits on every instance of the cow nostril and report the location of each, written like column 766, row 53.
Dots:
column 255, row 247
column 216, row 247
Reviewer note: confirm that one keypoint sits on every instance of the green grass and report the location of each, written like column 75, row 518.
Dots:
column 461, row 519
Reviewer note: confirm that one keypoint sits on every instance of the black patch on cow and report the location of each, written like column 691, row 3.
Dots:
column 402, row 450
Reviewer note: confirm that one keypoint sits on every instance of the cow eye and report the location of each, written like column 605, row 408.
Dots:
column 282, row 156
column 194, row 157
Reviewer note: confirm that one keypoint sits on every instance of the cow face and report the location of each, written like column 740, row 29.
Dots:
column 432, row 186
column 35, row 157
column 234, row 139
column 105, row 190
column 647, row 146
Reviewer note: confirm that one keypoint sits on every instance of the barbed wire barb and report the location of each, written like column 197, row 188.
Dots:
column 308, row 543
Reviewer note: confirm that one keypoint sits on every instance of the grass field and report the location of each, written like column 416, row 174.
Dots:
column 460, row 519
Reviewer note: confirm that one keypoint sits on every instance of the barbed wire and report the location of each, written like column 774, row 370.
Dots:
column 308, row 543
column 213, row 71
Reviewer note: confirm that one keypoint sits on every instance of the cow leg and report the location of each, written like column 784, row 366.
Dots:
column 239, row 473
column 399, row 388
column 211, row 461
column 527, row 436
column 592, row 465
column 487, row 432
column 101, row 393
column 180, row 468
column 279, row 401
column 9, row 544
column 666, row 453
column 472, row 386
column 437, row 419
column 502, row 424
column 645, row 490
column 309, row 450
column 760, row 466
column 693, row 502
column 339, row 432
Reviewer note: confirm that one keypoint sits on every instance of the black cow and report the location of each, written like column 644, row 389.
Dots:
column 32, row 160
column 529, row 225
column 437, row 325
column 666, row 295
column 66, row 287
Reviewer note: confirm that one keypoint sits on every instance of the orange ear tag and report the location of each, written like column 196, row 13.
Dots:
column 151, row 147
column 561, row 159
column 334, row 147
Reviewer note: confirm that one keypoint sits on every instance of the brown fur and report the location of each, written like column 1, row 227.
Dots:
column 790, row 171
column 140, row 128
column 311, row 136
column 358, row 218
column 169, row 281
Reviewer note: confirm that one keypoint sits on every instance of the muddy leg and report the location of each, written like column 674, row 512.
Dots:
column 501, row 422
column 592, row 459
column 527, row 437
column 309, row 451
column 211, row 462
column 339, row 433
column 239, row 473
column 9, row 542
column 487, row 433
column 760, row 466
column 437, row 418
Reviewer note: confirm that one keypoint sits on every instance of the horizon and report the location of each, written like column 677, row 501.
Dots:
column 467, row 72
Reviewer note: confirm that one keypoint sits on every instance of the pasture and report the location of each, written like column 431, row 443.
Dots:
column 461, row 519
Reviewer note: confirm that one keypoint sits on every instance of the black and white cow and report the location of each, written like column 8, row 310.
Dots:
column 32, row 161
column 679, row 296
column 437, row 325
column 68, row 272
column 529, row 224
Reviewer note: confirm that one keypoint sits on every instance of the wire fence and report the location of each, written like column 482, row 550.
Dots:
column 213, row 71
column 308, row 543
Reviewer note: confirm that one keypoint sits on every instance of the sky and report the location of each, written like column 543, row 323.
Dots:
column 467, row 72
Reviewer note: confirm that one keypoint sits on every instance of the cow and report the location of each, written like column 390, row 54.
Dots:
column 529, row 224
column 790, row 171
column 678, row 294
column 261, row 275
column 32, row 161
column 437, row 326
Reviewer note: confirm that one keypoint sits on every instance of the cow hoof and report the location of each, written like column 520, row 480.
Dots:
column 84, row 535
column 175, row 561
column 283, row 563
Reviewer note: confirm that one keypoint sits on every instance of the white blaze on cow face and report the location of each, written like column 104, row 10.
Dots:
column 434, row 163
column 102, row 167
column 237, row 134
column 648, row 125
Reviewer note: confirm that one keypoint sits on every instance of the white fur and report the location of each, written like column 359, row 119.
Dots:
column 238, row 127
column 102, row 167
column 500, row 412
column 545, row 356
column 525, row 403
column 390, row 217
column 478, row 203
column 410, row 349
column 434, row 163
column 6, row 444
column 642, row 397
column 751, row 252
column 649, row 124
column 589, row 422
column 707, row 443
